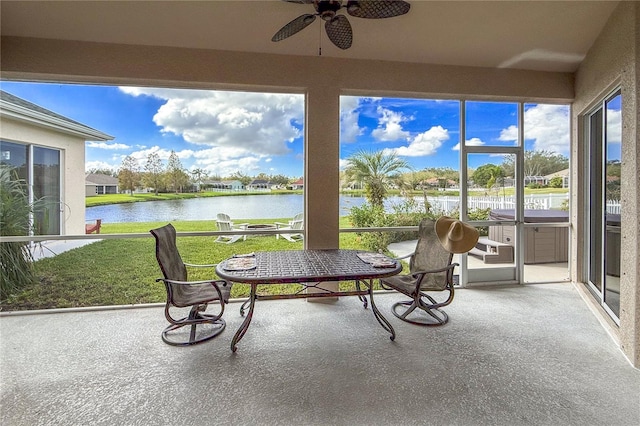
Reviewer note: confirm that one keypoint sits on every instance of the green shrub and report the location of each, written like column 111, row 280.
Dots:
column 556, row 182
column 534, row 185
column 371, row 216
column 410, row 213
column 406, row 213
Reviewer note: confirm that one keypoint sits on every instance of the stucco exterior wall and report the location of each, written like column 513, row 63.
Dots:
column 613, row 61
column 90, row 190
column 71, row 162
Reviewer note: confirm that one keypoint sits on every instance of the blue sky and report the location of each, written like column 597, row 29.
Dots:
column 224, row 132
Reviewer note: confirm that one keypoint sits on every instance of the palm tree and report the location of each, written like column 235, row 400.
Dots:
column 376, row 170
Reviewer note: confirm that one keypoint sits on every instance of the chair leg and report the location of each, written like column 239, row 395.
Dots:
column 234, row 238
column 228, row 239
column 196, row 322
column 435, row 316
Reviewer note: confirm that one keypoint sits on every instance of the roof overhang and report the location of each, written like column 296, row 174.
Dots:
column 36, row 118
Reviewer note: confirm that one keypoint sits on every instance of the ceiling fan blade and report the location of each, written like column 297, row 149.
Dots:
column 298, row 24
column 299, row 1
column 339, row 31
column 377, row 9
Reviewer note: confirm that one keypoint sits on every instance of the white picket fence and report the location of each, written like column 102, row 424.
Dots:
column 537, row 202
column 614, row 207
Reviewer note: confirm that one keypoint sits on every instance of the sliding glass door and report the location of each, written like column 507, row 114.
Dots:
column 39, row 168
column 46, row 190
column 604, row 129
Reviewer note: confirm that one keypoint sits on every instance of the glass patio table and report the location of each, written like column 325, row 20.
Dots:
column 310, row 268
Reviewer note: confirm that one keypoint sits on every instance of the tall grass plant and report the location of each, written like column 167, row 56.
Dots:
column 16, row 260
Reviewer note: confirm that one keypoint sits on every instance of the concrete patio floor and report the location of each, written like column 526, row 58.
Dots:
column 525, row 355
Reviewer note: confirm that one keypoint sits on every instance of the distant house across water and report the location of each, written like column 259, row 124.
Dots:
column 299, row 184
column 98, row 184
column 259, row 185
column 225, row 185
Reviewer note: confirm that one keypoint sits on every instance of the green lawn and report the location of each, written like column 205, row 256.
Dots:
column 123, row 271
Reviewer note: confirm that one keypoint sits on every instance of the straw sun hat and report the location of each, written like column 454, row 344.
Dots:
column 456, row 236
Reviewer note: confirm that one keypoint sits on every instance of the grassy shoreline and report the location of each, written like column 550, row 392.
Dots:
column 106, row 199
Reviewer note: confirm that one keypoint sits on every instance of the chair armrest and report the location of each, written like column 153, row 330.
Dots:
column 279, row 224
column 404, row 257
column 214, row 283
column 193, row 265
column 419, row 275
column 435, row 271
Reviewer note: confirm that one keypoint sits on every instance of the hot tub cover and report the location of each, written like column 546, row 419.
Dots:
column 531, row 216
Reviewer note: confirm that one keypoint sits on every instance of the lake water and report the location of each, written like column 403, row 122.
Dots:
column 238, row 207
column 281, row 206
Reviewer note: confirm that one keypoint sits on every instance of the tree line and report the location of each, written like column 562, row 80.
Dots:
column 173, row 177
column 373, row 171
column 376, row 172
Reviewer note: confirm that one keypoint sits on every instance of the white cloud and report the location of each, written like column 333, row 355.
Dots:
column 215, row 161
column 614, row 126
column 257, row 123
column 389, row 126
column 93, row 165
column 548, row 127
column 510, row 134
column 423, row 144
column 349, row 115
column 142, row 155
column 469, row 142
column 104, row 145
column 226, row 161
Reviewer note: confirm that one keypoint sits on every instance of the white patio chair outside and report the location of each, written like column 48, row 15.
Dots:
column 225, row 223
column 294, row 224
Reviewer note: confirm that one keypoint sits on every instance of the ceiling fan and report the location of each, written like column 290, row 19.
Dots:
column 337, row 26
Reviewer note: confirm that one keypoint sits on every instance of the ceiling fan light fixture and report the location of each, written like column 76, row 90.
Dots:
column 353, row 6
column 327, row 15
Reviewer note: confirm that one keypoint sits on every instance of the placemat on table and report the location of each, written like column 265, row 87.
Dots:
column 377, row 260
column 241, row 262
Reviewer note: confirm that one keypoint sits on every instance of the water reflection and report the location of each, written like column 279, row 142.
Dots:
column 238, row 207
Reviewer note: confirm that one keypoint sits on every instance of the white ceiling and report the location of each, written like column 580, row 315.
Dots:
column 535, row 35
